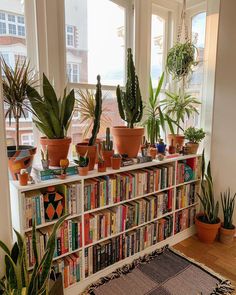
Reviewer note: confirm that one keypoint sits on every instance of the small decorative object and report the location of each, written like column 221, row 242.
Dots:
column 194, row 136
column 53, row 204
column 227, row 229
column 144, row 159
column 23, row 177
column 101, row 162
column 31, row 180
column 184, row 151
column 116, row 161
column 160, row 157
column 145, row 149
column 44, row 159
column 126, row 161
column 107, row 148
column 64, row 163
column 153, row 152
column 172, row 148
column 161, row 147
column 83, row 162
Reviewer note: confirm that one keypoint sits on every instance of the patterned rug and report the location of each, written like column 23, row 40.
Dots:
column 163, row 272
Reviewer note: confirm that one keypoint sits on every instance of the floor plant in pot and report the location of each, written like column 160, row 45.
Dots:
column 91, row 145
column 194, row 137
column 15, row 97
column 227, row 230
column 207, row 222
column 107, row 148
column 53, row 117
column 127, row 139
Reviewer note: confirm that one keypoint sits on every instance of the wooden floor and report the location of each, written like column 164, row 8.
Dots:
column 221, row 258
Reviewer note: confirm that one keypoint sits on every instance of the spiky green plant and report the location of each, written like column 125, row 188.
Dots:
column 97, row 113
column 17, row 279
column 130, row 101
column 228, row 208
column 82, row 161
column 53, row 115
column 107, row 145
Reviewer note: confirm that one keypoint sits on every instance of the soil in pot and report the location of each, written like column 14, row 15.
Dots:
column 227, row 235
column 115, row 163
column 82, row 148
column 206, row 232
column 193, row 147
column 176, row 140
column 83, row 171
column 57, row 149
column 107, row 157
column 127, row 140
column 20, row 159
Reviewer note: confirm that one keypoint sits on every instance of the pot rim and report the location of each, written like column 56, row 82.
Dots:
column 201, row 214
column 176, row 135
column 85, row 144
column 44, row 139
column 125, row 127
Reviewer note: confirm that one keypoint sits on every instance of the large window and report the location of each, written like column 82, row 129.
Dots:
column 12, row 24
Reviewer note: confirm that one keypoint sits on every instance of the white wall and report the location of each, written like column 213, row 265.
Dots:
column 223, row 155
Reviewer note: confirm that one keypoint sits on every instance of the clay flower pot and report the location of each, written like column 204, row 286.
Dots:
column 57, row 149
column 127, row 140
column 98, row 142
column 82, row 148
column 176, row 140
column 206, row 232
column 83, row 171
column 192, row 147
column 23, row 178
column 107, row 157
column 116, row 163
column 102, row 167
column 153, row 152
column 227, row 235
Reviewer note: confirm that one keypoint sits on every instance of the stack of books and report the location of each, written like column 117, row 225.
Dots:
column 186, row 195
column 184, row 219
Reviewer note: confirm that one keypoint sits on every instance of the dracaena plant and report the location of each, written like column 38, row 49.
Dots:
column 228, row 202
column 53, row 115
column 17, row 279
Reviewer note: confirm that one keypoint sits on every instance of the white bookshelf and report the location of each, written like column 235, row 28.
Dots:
column 17, row 197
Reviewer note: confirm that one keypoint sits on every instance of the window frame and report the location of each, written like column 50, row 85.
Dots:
column 15, row 23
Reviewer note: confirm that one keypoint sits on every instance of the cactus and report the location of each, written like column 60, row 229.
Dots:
column 107, row 145
column 130, row 102
column 98, row 112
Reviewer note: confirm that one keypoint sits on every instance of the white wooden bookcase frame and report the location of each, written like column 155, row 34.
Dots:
column 17, row 195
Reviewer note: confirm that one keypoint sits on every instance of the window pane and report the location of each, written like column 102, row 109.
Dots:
column 12, row 29
column 99, row 41
column 2, row 16
column 3, row 30
column 21, row 30
column 20, row 19
column 11, row 18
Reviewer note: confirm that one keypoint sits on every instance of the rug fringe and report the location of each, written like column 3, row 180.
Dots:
column 223, row 288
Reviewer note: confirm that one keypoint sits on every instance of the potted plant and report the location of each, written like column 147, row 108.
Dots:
column 16, row 279
column 53, row 117
column 194, row 136
column 15, row 98
column 83, row 163
column 227, row 229
column 207, row 222
column 116, row 161
column 101, row 162
column 107, row 148
column 128, row 139
column 91, row 146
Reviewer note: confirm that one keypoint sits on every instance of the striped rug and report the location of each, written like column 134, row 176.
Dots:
column 163, row 272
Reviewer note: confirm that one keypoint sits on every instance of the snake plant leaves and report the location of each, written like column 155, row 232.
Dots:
column 69, row 103
column 50, row 95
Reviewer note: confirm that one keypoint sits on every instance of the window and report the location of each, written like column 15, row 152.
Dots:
column 73, row 73
column 27, row 139
column 70, row 36
column 12, row 24
column 3, row 29
column 12, row 29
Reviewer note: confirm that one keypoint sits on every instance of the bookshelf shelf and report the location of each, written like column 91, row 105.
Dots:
column 152, row 195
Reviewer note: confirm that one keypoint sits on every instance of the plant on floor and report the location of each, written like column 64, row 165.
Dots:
column 228, row 202
column 17, row 279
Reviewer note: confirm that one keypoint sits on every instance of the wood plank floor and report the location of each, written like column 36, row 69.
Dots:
column 221, row 258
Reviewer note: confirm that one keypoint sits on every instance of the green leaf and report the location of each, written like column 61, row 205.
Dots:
column 158, row 90
column 50, row 96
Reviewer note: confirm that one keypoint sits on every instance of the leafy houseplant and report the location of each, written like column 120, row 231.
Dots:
column 107, row 148
column 83, row 162
column 194, row 136
column 15, row 83
column 227, row 229
column 91, row 146
column 207, row 222
column 53, row 117
column 131, row 110
column 17, row 279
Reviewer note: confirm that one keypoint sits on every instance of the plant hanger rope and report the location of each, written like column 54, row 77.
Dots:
column 183, row 28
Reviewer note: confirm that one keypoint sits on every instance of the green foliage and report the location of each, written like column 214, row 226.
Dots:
column 97, row 113
column 194, row 135
column 155, row 118
column 116, row 156
column 181, row 59
column 107, row 144
column 53, row 115
column 130, row 101
column 228, row 202
column 16, row 279
column 82, row 161
column 207, row 198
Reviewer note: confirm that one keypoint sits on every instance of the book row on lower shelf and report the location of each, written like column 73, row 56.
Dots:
column 101, row 255
column 184, row 219
column 117, row 219
column 186, row 195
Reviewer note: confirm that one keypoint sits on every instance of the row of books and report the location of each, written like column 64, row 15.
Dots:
column 110, row 189
column 184, row 219
column 68, row 238
column 188, row 170
column 104, row 254
column 186, row 195
column 70, row 268
column 105, row 223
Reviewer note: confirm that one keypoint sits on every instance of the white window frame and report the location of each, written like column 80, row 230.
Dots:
column 8, row 22
column 30, row 140
column 71, row 34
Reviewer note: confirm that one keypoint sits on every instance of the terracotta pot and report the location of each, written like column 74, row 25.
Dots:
column 83, row 171
column 206, row 232
column 102, row 167
column 193, row 147
column 127, row 140
column 82, row 148
column 176, row 140
column 116, row 163
column 227, row 235
column 98, row 142
column 107, row 157
column 153, row 152
column 20, row 159
column 23, row 179
column 57, row 149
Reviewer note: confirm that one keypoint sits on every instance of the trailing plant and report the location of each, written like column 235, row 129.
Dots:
column 15, row 82
column 155, row 118
column 97, row 112
column 130, row 101
column 207, row 197
column 53, row 115
column 107, row 144
column 82, row 161
column 194, row 135
column 17, row 279
column 228, row 202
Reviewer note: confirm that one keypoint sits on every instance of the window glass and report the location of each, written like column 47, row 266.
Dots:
column 11, row 18
column 12, row 29
column 3, row 29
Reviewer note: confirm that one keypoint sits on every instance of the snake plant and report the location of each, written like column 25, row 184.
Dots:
column 227, row 202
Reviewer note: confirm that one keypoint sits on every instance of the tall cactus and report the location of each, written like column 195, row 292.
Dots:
column 98, row 112
column 130, row 102
column 108, row 143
